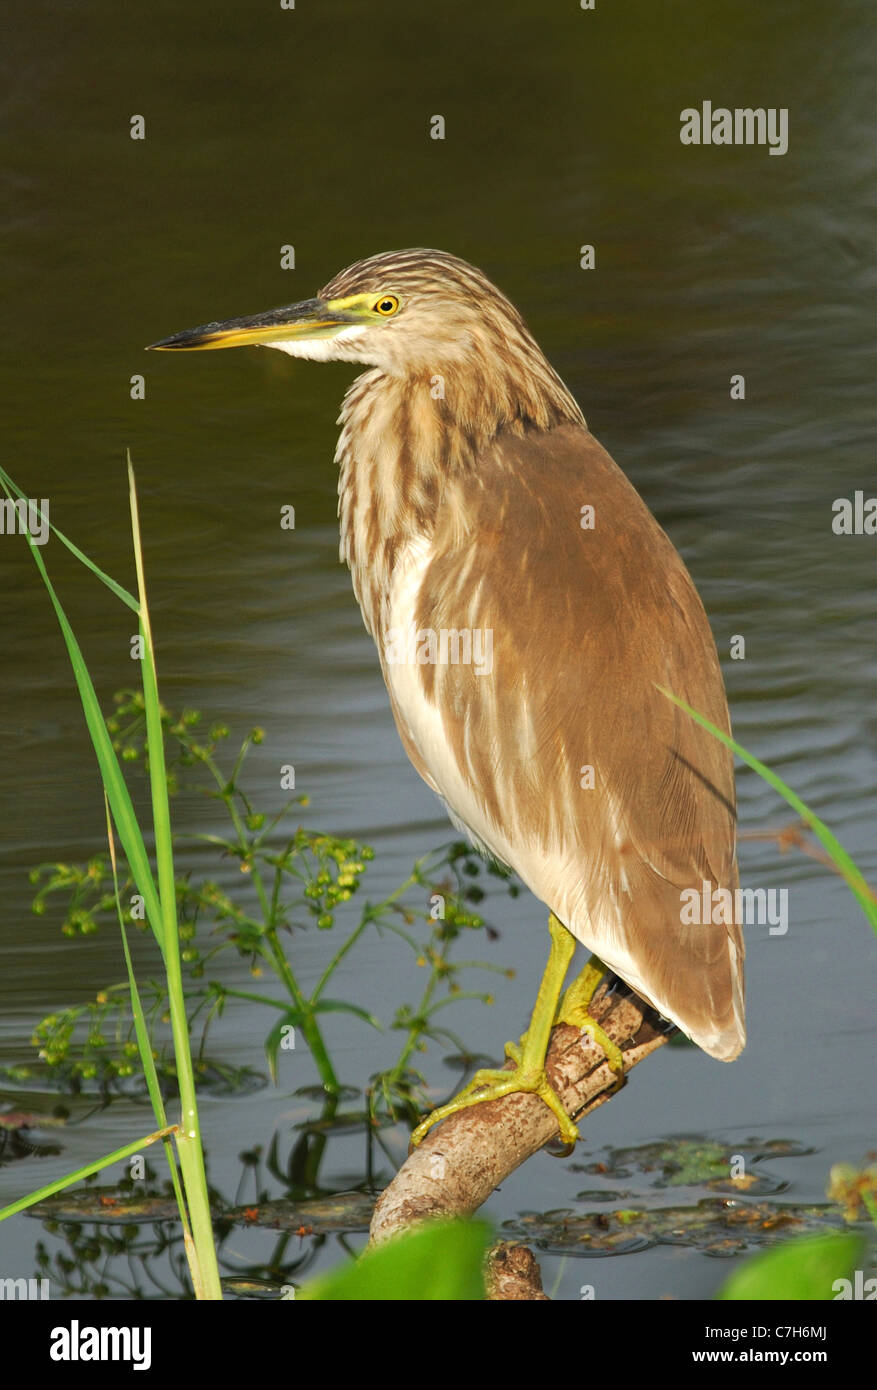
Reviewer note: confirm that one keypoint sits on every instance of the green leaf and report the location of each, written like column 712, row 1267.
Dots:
column 441, row 1261
column 291, row 1018
column 117, row 1156
column 341, row 1006
column 843, row 862
column 803, row 1270
column 143, row 1040
column 111, row 583
column 116, row 788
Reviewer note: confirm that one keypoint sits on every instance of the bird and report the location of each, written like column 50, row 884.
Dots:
column 529, row 615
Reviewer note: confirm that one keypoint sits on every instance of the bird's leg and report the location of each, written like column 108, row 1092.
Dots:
column 528, row 1055
column 574, row 1010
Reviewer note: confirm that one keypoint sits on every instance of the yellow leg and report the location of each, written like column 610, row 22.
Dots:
column 529, row 1056
column 574, row 1010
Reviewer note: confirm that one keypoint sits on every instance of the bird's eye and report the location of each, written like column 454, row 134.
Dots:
column 386, row 305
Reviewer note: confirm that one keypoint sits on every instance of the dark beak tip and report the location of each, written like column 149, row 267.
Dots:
column 290, row 315
column 176, row 343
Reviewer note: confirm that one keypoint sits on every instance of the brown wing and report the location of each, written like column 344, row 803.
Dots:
column 586, row 623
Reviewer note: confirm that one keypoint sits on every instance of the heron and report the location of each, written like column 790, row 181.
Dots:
column 479, row 514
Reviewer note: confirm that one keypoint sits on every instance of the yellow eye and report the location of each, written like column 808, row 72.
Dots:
column 386, row 305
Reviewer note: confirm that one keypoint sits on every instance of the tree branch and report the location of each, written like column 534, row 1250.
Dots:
column 462, row 1160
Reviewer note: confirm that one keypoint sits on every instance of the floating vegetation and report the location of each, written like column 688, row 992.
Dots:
column 721, row 1226
column 696, row 1161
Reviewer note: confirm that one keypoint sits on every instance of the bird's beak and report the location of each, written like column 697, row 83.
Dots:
column 312, row 318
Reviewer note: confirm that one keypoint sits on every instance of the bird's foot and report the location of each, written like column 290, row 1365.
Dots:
column 574, row 1011
column 491, row 1083
column 528, row 1074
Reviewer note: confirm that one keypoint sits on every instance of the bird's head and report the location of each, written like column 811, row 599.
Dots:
column 416, row 313
column 401, row 311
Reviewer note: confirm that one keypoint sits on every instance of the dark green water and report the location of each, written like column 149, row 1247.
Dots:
column 310, row 127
